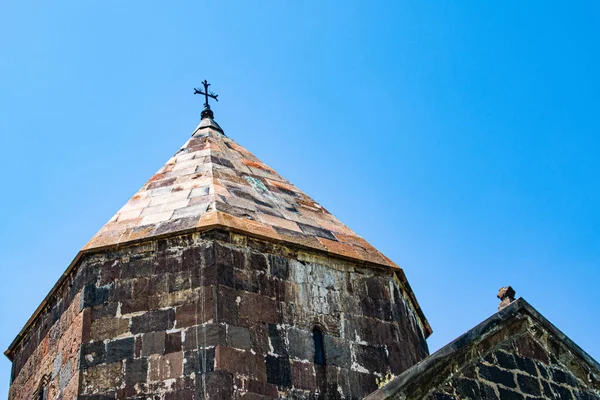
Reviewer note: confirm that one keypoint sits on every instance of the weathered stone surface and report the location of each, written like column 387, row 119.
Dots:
column 219, row 385
column 169, row 366
column 278, row 370
column 200, row 361
column 238, row 337
column 153, row 343
column 256, row 308
column 159, row 320
column 494, row 374
column 103, row 378
column 240, row 362
column 277, row 340
column 371, row 358
column 93, row 354
column 338, row 352
column 303, row 376
column 136, row 371
column 173, row 342
column 119, row 349
column 301, row 345
column 207, row 335
column 197, row 312
column 107, row 328
column 512, row 355
column 172, row 305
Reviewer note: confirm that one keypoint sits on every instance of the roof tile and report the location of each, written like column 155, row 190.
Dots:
column 213, row 181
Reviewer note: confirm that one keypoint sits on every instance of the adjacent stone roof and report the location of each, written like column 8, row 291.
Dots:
column 502, row 347
column 213, row 181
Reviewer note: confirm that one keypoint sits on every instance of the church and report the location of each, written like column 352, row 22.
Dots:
column 219, row 279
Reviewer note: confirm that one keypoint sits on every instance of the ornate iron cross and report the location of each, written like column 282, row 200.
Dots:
column 207, row 112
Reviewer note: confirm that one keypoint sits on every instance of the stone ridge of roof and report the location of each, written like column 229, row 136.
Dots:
column 398, row 386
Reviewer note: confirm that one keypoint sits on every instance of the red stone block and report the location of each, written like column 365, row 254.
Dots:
column 256, row 308
column 195, row 313
column 241, row 362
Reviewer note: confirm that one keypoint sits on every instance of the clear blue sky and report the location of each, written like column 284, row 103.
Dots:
column 460, row 138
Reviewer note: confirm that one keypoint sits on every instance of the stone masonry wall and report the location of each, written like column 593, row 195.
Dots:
column 52, row 352
column 191, row 318
column 219, row 316
column 529, row 366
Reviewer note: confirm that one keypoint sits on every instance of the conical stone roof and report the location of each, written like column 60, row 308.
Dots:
column 214, row 182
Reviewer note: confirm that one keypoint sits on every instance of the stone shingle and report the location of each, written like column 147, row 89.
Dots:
column 235, row 190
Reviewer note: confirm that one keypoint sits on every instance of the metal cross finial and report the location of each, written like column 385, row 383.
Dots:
column 207, row 112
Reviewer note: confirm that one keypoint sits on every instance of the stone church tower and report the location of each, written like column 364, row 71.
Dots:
column 220, row 279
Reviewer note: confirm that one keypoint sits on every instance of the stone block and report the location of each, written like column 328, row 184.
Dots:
column 238, row 337
column 303, row 376
column 108, row 310
column 108, row 328
column 262, row 388
column 361, row 384
column 102, row 378
column 256, row 308
column 93, row 295
column 373, row 359
column 159, row 320
column 92, row 354
column 377, row 288
column 245, row 280
column 512, row 395
column 337, row 351
column 199, row 361
column 120, row 291
column 169, row 366
column 278, row 266
column 278, row 370
column 240, row 362
column 227, row 258
column 301, row 344
column 131, row 306
column 203, row 336
column 526, row 365
column 277, row 340
column 561, row 377
column 138, row 268
column 65, row 375
column 136, row 371
column 226, row 300
column 528, row 347
column 173, row 342
column 120, row 349
column 219, row 386
column 496, row 375
column 400, row 357
column 505, row 360
column 258, row 262
column 197, row 312
column 259, row 338
column 179, row 281
column 153, row 343
column 529, row 385
column 184, row 394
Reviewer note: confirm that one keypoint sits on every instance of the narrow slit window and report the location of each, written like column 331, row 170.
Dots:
column 319, row 348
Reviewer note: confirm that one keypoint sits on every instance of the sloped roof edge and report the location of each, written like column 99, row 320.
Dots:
column 447, row 353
